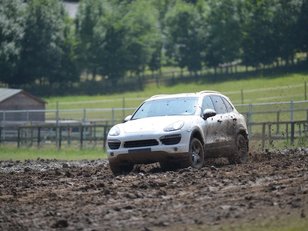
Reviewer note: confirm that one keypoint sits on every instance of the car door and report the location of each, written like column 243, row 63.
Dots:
column 209, row 128
column 231, row 118
column 223, row 126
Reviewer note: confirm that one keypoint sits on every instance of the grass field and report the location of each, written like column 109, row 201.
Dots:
column 284, row 223
column 13, row 153
column 255, row 90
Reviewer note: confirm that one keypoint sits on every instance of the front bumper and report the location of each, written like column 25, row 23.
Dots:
column 143, row 149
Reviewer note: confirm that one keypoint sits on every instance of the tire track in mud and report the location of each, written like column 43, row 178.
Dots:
column 49, row 194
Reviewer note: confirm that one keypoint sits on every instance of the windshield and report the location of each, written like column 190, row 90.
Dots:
column 167, row 107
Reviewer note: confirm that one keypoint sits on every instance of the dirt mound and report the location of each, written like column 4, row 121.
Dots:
column 51, row 194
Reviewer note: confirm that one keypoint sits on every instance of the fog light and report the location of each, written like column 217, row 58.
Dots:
column 111, row 153
column 175, row 149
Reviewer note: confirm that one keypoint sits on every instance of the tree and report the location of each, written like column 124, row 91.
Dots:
column 302, row 28
column 258, row 34
column 11, row 34
column 125, row 39
column 70, row 71
column 184, row 36
column 284, row 24
column 42, row 44
column 143, row 37
column 223, row 32
column 111, row 53
column 88, row 16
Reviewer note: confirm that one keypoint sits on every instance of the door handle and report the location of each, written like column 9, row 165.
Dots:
column 219, row 121
column 234, row 119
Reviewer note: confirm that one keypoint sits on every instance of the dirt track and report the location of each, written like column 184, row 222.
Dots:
column 84, row 195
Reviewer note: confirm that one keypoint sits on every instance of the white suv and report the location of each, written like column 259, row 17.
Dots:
column 179, row 130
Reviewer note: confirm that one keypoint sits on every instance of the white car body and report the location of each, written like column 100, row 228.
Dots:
column 165, row 137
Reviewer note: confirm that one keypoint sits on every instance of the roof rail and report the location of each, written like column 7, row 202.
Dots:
column 156, row 96
column 206, row 91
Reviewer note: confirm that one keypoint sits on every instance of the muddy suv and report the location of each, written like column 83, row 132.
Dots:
column 179, row 130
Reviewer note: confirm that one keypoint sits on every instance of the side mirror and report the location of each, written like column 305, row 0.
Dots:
column 127, row 118
column 207, row 113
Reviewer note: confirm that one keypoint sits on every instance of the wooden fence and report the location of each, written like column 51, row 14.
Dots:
column 94, row 134
column 82, row 135
column 286, row 131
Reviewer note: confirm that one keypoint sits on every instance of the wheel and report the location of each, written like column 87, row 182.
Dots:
column 196, row 154
column 241, row 154
column 120, row 168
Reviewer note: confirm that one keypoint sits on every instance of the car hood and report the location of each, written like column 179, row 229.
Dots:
column 152, row 124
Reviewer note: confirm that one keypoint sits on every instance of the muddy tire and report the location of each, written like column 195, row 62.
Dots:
column 241, row 154
column 120, row 168
column 195, row 158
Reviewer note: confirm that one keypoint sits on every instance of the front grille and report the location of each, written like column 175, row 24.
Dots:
column 171, row 139
column 114, row 144
column 140, row 143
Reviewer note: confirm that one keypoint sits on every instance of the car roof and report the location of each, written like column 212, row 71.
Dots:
column 179, row 95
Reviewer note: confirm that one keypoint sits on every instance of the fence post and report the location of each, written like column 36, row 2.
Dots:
column 270, row 141
column 305, row 90
column 249, row 115
column 113, row 119
column 263, row 135
column 123, row 107
column 31, row 135
column 69, row 131
column 38, row 137
column 105, row 134
column 4, row 119
column 84, row 117
column 292, row 121
column 287, row 132
column 242, row 96
column 60, row 138
column 81, row 136
column 57, row 125
column 18, row 137
column 278, row 120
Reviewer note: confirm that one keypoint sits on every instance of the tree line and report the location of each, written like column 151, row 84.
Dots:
column 41, row 44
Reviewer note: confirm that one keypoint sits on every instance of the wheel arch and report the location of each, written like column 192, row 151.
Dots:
column 244, row 133
column 197, row 134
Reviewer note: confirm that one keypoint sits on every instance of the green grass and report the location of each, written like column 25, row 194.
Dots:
column 271, row 223
column 256, row 90
column 280, row 224
column 12, row 153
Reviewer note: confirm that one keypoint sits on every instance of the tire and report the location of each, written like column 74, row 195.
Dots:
column 195, row 158
column 240, row 155
column 120, row 168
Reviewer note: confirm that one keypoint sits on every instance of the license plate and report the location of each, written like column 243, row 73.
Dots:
column 139, row 150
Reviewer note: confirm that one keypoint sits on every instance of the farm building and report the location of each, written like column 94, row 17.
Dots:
column 16, row 106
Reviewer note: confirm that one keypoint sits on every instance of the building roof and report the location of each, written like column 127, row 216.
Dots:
column 6, row 93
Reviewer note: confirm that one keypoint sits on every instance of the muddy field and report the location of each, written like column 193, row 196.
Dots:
column 84, row 195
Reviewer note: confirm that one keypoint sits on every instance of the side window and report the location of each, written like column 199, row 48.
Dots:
column 207, row 103
column 228, row 105
column 219, row 104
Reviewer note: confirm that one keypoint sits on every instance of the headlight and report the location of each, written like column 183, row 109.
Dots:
column 114, row 131
column 174, row 126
